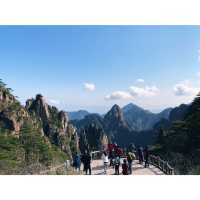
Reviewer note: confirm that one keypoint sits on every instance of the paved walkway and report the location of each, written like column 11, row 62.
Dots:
column 97, row 169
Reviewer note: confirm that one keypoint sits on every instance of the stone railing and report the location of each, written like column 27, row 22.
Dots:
column 161, row 164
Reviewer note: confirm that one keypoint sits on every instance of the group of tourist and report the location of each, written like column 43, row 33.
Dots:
column 126, row 159
column 86, row 159
column 113, row 157
column 114, row 160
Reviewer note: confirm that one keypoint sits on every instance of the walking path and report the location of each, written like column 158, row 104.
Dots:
column 97, row 169
column 52, row 169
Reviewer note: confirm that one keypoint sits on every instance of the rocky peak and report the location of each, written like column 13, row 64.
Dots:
column 6, row 98
column 12, row 114
column 39, row 97
column 114, row 119
column 63, row 118
column 39, row 106
column 115, row 114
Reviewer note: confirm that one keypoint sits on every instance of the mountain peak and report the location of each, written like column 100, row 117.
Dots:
column 115, row 113
column 114, row 119
column 140, row 119
column 116, row 108
column 134, row 108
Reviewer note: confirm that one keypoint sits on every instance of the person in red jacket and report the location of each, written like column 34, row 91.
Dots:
column 125, row 168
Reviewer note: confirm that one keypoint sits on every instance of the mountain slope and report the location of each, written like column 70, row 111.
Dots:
column 77, row 115
column 139, row 119
column 179, row 113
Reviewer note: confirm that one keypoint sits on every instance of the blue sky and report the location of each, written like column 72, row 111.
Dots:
column 94, row 67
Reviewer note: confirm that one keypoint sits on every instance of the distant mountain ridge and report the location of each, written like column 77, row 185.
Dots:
column 78, row 115
column 125, row 125
column 139, row 119
column 135, row 117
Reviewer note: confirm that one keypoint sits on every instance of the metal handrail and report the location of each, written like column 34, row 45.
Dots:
column 161, row 164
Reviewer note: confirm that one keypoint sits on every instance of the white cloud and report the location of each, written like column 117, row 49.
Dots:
column 119, row 95
column 89, row 87
column 185, row 89
column 134, row 91
column 140, row 80
column 146, row 91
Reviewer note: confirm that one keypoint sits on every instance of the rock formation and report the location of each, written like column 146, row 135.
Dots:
column 92, row 138
column 55, row 123
column 36, row 124
column 114, row 119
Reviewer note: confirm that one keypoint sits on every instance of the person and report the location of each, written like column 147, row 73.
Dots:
column 77, row 162
column 130, row 159
column 83, row 160
column 74, row 162
column 67, row 165
column 119, row 151
column 146, row 154
column 105, row 161
column 117, row 165
column 132, row 148
column 86, row 159
column 125, row 168
column 112, row 158
column 141, row 155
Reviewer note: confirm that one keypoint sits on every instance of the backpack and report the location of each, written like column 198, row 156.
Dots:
column 131, row 157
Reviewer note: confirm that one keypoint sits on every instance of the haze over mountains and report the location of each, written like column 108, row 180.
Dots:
column 130, row 124
column 135, row 117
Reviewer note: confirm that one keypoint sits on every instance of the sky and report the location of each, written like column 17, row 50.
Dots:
column 95, row 67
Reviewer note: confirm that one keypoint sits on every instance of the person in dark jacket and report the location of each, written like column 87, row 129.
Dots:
column 141, row 155
column 77, row 162
column 112, row 158
column 86, row 159
column 146, row 156
column 125, row 168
